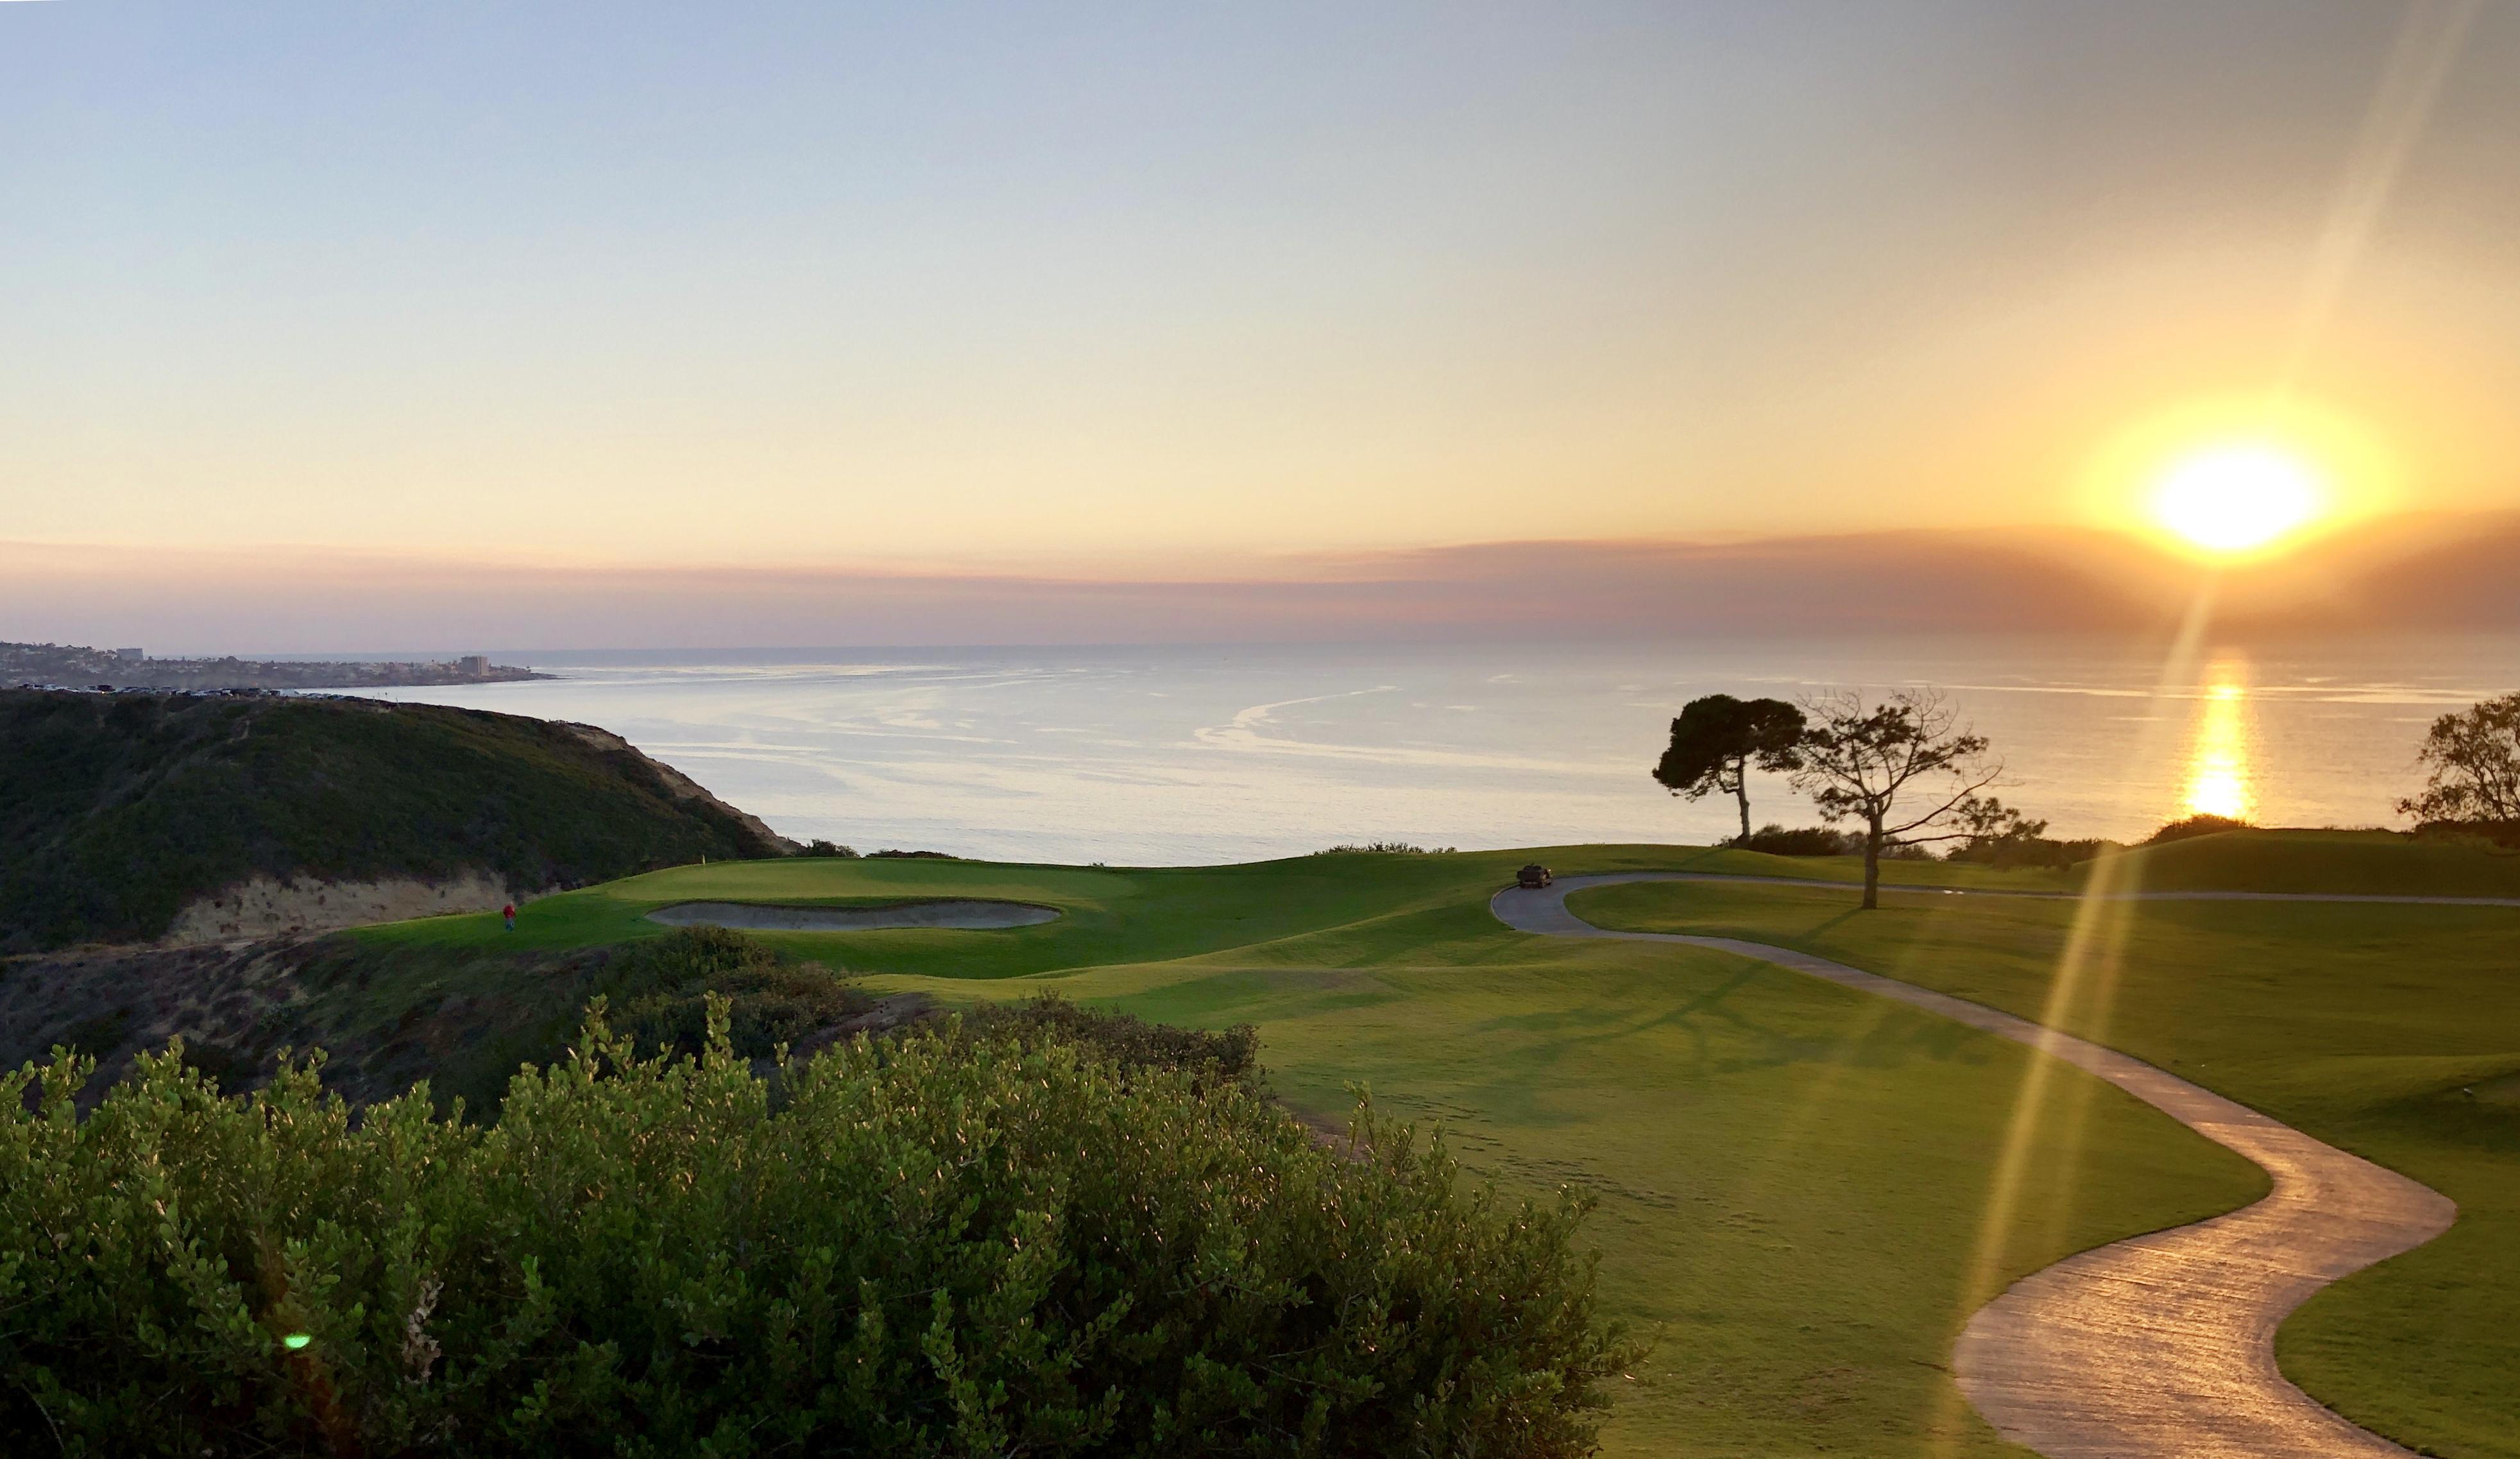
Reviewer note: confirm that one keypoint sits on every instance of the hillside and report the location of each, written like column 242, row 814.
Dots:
column 120, row 812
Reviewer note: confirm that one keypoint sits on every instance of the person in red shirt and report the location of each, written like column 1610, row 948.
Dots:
column 510, row 912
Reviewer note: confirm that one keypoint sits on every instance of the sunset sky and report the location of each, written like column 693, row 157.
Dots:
column 1118, row 290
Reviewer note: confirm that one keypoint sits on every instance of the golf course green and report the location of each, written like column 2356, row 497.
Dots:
column 1793, row 1177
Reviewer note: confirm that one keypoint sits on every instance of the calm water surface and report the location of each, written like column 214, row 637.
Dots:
column 1188, row 756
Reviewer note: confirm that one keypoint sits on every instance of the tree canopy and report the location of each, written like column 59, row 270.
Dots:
column 1877, row 762
column 1718, row 739
column 2474, row 760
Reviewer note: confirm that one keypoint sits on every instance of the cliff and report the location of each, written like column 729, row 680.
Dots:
column 128, row 817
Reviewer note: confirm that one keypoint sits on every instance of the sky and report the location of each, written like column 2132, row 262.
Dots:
column 1104, row 291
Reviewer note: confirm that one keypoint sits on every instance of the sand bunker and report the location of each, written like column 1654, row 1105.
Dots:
column 966, row 913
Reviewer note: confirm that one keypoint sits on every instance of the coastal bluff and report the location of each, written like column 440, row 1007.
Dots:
column 140, row 818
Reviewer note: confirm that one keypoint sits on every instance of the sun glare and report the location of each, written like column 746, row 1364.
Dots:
column 2238, row 498
column 2218, row 758
column 2237, row 477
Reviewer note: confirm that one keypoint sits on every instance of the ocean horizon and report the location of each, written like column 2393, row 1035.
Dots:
column 1181, row 756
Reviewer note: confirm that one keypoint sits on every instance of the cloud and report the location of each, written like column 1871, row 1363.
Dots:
column 2432, row 573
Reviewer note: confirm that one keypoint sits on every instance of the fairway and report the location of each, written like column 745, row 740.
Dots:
column 1792, row 1176
column 2386, row 1030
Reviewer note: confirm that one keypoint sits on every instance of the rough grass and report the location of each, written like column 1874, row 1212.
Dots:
column 2393, row 1032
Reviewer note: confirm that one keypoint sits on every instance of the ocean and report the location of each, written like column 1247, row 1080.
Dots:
column 1190, row 755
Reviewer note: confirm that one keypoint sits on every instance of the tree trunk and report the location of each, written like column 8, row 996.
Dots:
column 1741, row 792
column 1873, row 865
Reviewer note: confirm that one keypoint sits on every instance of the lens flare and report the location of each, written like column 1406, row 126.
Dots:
column 2046, row 1126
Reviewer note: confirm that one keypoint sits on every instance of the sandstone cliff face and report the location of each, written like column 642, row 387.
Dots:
column 264, row 907
column 267, row 908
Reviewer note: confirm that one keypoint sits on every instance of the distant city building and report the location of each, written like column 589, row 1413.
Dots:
column 133, row 668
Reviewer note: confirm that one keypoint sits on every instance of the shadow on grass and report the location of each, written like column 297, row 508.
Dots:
column 1726, row 1038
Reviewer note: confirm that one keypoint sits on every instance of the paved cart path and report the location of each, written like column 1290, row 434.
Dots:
column 2162, row 1345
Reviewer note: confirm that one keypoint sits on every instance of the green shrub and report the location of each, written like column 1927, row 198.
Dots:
column 1803, row 841
column 2006, row 853
column 780, row 1005
column 1123, row 1039
column 2200, row 824
column 926, row 1245
column 661, row 987
column 2501, row 834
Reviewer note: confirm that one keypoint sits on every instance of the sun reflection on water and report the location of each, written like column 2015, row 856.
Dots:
column 2220, row 753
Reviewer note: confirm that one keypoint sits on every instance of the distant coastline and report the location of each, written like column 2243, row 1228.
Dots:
column 72, row 666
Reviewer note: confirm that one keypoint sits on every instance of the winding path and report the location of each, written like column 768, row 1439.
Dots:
column 2163, row 1344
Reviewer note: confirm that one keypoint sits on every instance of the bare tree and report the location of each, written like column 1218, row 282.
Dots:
column 1879, row 763
column 2475, row 761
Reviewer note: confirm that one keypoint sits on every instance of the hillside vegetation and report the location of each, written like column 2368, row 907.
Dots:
column 1008, row 1246
column 116, row 810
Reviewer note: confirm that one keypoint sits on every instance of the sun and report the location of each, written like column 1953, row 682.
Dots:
column 2237, row 477
column 2238, row 496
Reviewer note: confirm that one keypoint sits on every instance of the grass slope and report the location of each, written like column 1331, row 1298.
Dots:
column 116, row 810
column 1791, row 1174
column 2393, row 1032
column 1110, row 915
column 2384, row 863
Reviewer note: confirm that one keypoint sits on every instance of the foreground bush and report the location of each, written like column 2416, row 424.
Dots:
column 921, row 1247
column 1121, row 1039
column 660, row 987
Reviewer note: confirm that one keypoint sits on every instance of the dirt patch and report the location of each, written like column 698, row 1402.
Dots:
column 265, row 907
column 966, row 914
column 233, row 1007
